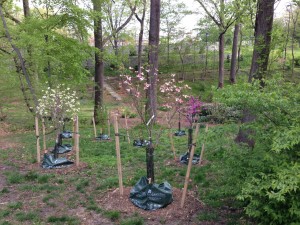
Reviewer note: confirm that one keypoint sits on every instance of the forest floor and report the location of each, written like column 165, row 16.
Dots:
column 30, row 194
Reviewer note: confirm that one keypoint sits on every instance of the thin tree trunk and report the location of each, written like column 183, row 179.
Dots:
column 141, row 35
column 286, row 40
column 26, row 9
column 239, row 52
column 152, row 77
column 232, row 78
column 153, row 58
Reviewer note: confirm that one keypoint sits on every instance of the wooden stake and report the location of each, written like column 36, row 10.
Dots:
column 76, row 140
column 44, row 135
column 187, row 176
column 117, row 138
column 127, row 131
column 108, row 123
column 94, row 125
column 202, row 150
column 37, row 134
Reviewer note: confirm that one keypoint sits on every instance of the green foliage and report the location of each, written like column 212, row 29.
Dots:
column 271, row 187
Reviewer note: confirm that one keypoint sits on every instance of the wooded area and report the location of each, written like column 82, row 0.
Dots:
column 237, row 72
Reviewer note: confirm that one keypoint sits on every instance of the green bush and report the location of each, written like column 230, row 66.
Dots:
column 270, row 186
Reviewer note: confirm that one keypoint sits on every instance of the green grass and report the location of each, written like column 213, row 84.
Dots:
column 63, row 220
column 30, row 216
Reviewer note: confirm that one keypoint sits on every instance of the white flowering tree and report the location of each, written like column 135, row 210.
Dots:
column 171, row 97
column 58, row 105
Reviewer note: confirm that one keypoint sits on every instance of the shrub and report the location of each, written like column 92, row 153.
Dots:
column 270, row 188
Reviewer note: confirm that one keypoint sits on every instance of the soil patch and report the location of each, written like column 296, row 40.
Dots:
column 172, row 214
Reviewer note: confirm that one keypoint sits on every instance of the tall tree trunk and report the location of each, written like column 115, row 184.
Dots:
column 26, row 9
column 235, row 42
column 286, row 40
column 221, row 59
column 295, row 20
column 99, row 65
column 263, row 31
column 152, row 77
column 259, row 66
column 153, row 57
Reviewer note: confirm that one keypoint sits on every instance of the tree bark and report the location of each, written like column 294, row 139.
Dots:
column 263, row 31
column 221, row 60
column 153, row 58
column 235, row 42
column 151, row 106
column 26, row 9
column 99, row 65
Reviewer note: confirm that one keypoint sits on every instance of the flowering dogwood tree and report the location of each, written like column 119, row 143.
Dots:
column 171, row 97
column 58, row 104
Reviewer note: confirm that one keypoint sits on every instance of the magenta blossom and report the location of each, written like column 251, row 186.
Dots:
column 193, row 108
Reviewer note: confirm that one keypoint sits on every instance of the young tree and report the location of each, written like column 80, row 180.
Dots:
column 118, row 15
column 223, row 17
column 151, row 105
column 262, row 34
column 171, row 15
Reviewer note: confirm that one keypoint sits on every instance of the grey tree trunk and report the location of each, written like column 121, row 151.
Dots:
column 221, row 60
column 152, row 77
column 99, row 65
column 235, row 42
column 263, row 31
column 26, row 9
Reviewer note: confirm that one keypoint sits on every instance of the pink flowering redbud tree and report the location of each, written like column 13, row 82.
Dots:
column 171, row 97
column 192, row 109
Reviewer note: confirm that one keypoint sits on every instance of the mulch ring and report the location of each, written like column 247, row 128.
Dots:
column 171, row 214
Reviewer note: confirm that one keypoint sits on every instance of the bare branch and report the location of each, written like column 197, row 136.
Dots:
column 209, row 14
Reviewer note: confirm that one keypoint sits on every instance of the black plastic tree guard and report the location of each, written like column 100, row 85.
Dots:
column 66, row 134
column 151, row 196
column 103, row 137
column 50, row 162
column 62, row 149
column 179, row 133
column 184, row 159
column 140, row 143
